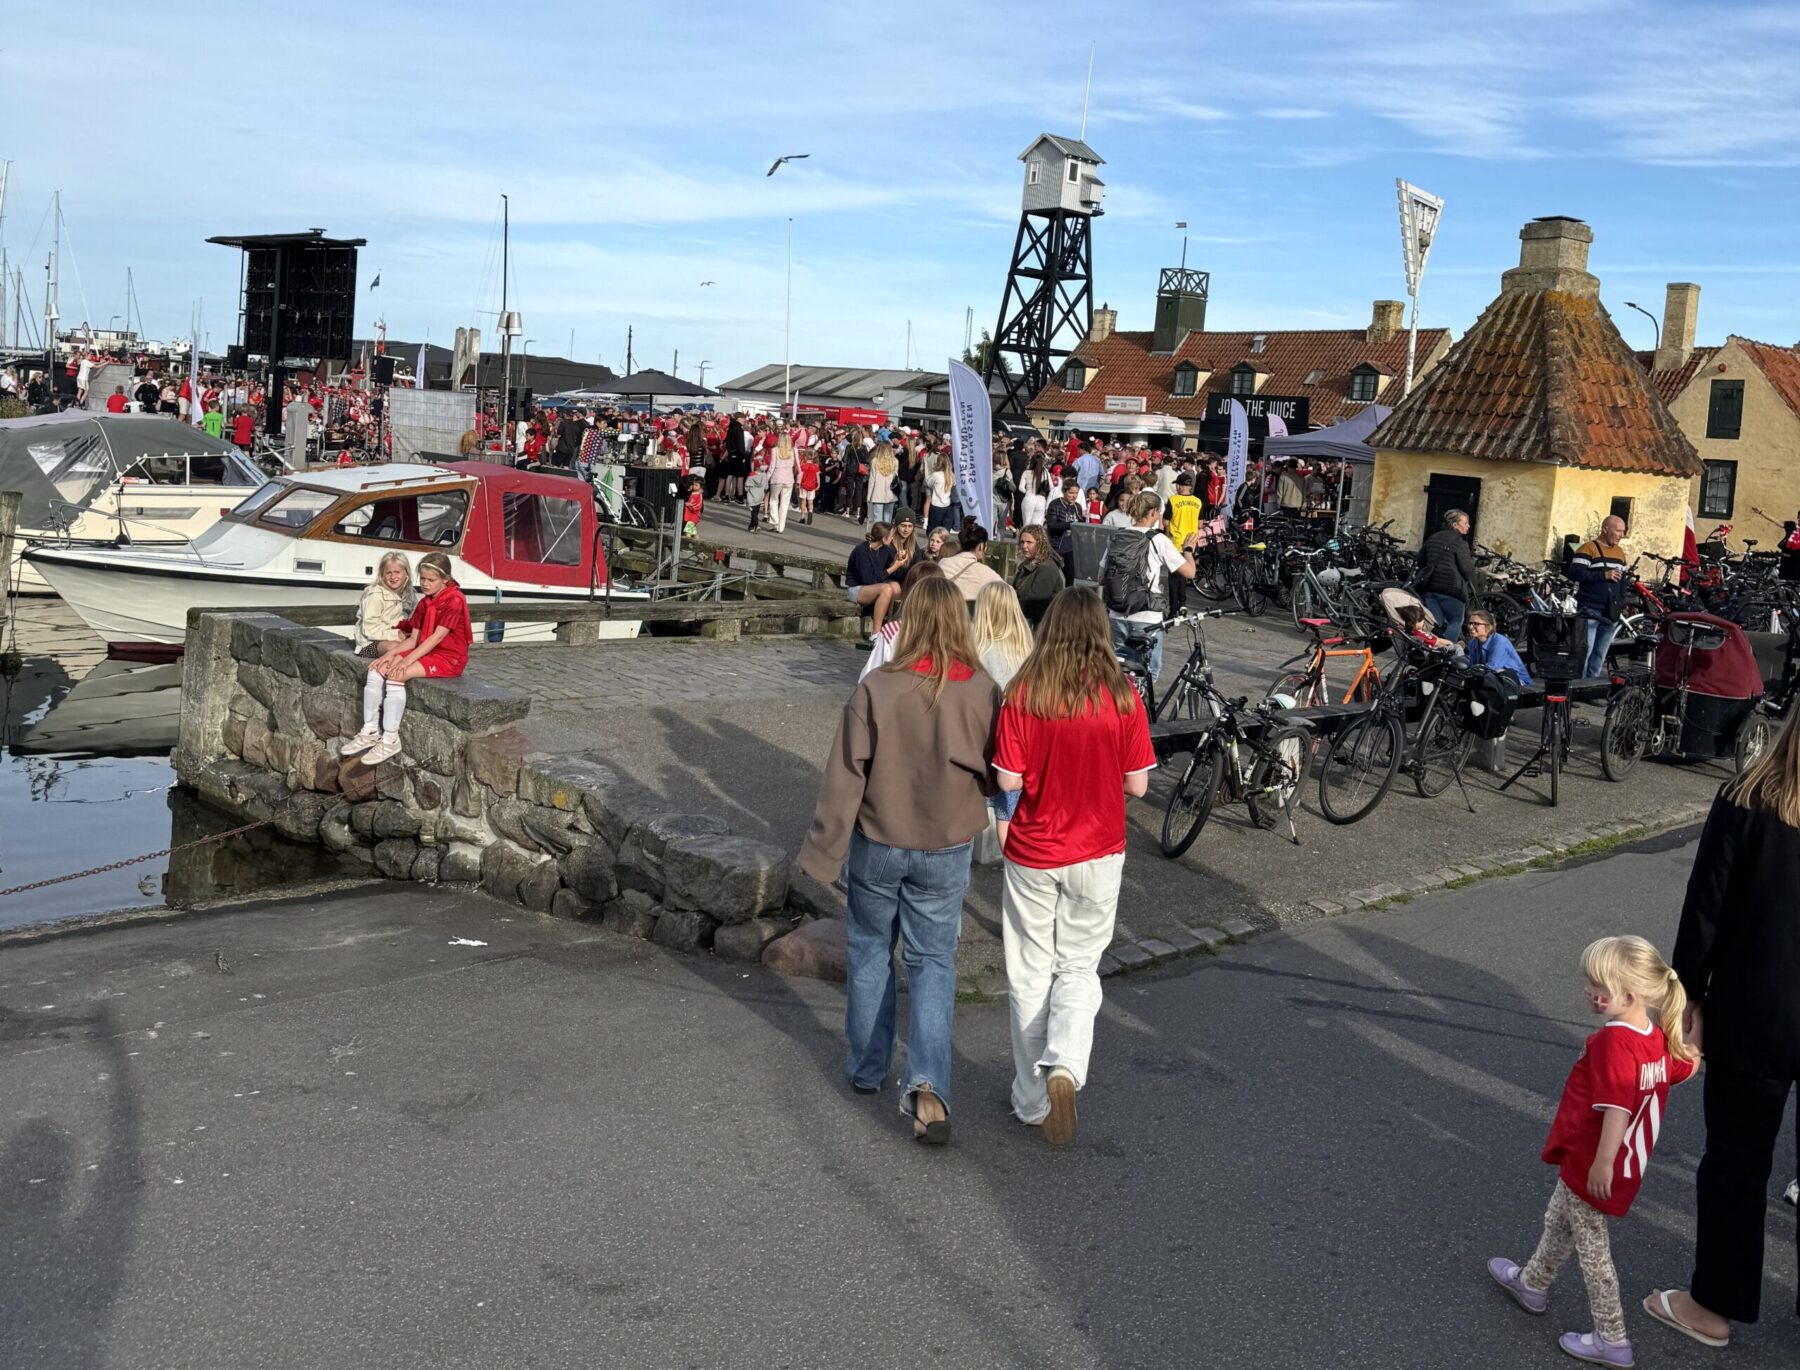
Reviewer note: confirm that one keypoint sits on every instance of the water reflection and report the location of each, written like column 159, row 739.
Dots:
column 85, row 780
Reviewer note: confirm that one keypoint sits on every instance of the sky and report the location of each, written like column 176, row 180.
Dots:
column 633, row 141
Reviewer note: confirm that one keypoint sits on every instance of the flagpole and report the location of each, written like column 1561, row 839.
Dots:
column 787, row 327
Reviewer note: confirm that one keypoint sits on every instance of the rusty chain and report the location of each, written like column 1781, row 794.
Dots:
column 137, row 860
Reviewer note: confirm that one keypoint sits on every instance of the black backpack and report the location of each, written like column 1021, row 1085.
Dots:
column 1125, row 573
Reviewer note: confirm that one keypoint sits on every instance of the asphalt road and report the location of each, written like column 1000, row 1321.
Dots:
column 357, row 1144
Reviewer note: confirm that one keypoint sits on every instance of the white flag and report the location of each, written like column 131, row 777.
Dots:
column 1277, row 426
column 194, row 414
column 1237, row 453
column 972, row 442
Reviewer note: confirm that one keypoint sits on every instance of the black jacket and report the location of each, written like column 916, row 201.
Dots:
column 1738, row 949
column 1446, row 565
column 1037, row 586
column 1059, row 517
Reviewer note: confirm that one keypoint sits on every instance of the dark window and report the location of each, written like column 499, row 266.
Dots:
column 1243, row 380
column 1075, row 377
column 1074, row 171
column 1365, row 382
column 1718, row 489
column 1031, row 173
column 432, row 519
column 1185, row 378
column 541, row 528
column 1621, row 510
column 1725, row 409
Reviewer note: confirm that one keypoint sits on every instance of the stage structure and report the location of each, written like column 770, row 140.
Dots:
column 1048, row 305
column 297, row 309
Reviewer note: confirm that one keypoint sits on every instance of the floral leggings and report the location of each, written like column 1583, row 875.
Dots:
column 1570, row 1224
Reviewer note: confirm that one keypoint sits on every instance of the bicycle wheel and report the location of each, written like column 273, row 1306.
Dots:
column 1275, row 779
column 1300, row 686
column 1191, row 801
column 1181, row 700
column 637, row 513
column 1360, row 765
column 1439, row 752
column 1210, row 581
column 1249, row 598
column 1625, row 734
column 1752, row 742
column 1304, row 607
column 1558, row 746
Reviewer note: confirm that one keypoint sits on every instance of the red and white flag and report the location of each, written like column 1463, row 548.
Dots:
column 1690, row 550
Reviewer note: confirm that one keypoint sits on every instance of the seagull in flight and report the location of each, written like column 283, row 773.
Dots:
column 791, row 157
column 707, row 283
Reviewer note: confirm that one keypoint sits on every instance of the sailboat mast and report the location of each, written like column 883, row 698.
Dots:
column 5, row 275
column 51, row 270
column 505, row 326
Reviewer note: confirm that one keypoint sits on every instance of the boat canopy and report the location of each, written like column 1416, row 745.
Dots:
column 61, row 463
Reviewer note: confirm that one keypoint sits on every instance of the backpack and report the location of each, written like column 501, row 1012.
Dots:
column 1125, row 585
column 1490, row 698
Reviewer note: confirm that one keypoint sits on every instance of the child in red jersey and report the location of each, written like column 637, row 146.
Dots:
column 434, row 641
column 692, row 508
column 1605, row 1129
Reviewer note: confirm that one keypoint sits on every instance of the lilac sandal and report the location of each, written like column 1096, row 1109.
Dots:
column 1591, row 1347
column 1510, row 1278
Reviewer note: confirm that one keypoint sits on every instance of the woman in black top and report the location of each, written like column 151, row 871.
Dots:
column 867, row 575
column 1039, row 578
column 1738, row 956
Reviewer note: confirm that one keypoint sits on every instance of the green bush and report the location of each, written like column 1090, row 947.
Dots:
column 13, row 408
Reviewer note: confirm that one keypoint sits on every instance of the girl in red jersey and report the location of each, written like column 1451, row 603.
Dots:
column 434, row 642
column 1605, row 1129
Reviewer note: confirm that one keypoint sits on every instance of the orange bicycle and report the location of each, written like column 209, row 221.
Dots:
column 1308, row 687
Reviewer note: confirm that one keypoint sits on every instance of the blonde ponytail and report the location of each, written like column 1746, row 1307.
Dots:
column 1669, row 1016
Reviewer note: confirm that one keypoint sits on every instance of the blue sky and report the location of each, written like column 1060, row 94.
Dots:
column 633, row 139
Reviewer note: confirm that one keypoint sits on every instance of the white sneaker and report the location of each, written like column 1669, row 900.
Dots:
column 388, row 747
column 364, row 740
column 1792, row 1193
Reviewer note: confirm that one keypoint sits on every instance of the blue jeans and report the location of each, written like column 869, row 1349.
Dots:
column 1448, row 612
column 1600, row 640
column 912, row 899
column 1153, row 631
column 880, row 512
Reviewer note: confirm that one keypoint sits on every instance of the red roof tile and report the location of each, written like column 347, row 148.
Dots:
column 1672, row 380
column 1542, row 376
column 1780, row 364
column 1123, row 364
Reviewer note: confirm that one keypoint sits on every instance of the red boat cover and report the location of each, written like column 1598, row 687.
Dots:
column 1727, row 671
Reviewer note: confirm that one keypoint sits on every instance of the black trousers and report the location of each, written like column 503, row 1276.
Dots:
column 1743, row 1120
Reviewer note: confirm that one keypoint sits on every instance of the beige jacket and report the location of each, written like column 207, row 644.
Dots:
column 907, row 774
column 968, row 575
column 379, row 614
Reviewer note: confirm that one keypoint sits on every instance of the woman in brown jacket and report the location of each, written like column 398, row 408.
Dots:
column 904, row 793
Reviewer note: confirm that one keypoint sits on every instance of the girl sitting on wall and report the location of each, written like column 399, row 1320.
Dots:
column 435, row 643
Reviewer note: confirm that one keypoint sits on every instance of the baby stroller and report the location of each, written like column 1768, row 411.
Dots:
column 1703, row 701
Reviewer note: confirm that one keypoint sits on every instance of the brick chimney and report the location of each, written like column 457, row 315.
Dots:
column 1681, row 311
column 1553, row 255
column 1106, row 318
column 1389, row 320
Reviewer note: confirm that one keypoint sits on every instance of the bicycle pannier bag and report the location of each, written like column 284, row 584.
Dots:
column 1490, row 698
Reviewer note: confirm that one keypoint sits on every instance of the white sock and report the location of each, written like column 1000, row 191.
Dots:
column 393, row 707
column 372, row 690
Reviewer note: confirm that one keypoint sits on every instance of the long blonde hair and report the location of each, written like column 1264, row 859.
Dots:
column 1621, row 965
column 934, row 628
column 409, row 594
column 882, row 461
column 1072, row 667
column 1000, row 625
column 784, row 446
column 1773, row 781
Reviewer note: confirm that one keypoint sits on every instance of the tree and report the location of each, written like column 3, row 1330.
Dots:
column 976, row 359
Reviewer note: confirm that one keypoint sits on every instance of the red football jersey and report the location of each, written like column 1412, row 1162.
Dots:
column 1072, row 808
column 1620, row 1068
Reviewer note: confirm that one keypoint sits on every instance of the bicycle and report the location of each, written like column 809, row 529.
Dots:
column 1361, row 761
column 1182, row 699
column 1314, row 597
column 1247, row 754
column 1309, row 688
column 1558, row 652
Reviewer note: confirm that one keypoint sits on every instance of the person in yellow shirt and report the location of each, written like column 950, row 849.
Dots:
column 1182, row 520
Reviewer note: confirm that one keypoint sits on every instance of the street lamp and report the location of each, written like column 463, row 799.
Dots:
column 1653, row 323
column 703, row 366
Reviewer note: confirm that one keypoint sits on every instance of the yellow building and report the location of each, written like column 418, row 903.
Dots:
column 1739, row 404
column 1539, row 421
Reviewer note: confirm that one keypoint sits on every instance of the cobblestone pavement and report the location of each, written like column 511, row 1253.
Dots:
column 740, row 729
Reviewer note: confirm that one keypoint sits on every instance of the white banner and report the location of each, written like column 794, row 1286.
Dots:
column 972, row 443
column 1237, row 453
column 1277, row 426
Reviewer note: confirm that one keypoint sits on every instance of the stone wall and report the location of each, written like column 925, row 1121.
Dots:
column 266, row 703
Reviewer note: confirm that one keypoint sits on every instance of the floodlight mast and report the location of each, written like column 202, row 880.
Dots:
column 1419, row 215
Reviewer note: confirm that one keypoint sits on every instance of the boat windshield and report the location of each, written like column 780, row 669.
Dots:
column 281, row 504
column 262, row 499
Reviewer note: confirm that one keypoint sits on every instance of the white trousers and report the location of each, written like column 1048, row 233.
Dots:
column 779, row 498
column 1057, row 925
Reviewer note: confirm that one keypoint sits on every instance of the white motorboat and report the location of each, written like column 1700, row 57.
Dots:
column 137, row 478
column 316, row 537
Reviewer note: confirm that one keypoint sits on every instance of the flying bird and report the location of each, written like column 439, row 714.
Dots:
column 708, row 283
column 791, row 157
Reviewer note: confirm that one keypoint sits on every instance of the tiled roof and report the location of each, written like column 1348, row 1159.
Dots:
column 1780, row 364
column 1123, row 364
column 1542, row 376
column 1672, row 380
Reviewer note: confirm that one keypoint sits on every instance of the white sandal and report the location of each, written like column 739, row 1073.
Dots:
column 1657, row 1306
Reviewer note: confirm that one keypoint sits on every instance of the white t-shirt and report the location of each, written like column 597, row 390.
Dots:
column 1164, row 559
column 940, row 490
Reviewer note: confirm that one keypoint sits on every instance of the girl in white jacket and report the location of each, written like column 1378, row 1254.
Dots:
column 386, row 600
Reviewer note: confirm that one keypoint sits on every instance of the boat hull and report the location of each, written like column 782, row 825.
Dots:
column 143, row 601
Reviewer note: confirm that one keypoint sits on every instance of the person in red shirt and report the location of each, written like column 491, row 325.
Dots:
column 116, row 403
column 243, row 429
column 692, row 509
column 1073, row 739
column 435, row 643
column 1604, row 1133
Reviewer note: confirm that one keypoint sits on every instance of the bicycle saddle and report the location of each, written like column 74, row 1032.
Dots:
column 1315, row 623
